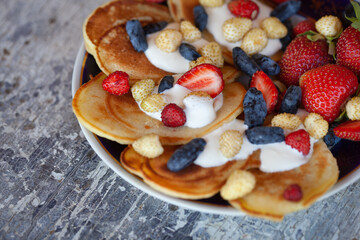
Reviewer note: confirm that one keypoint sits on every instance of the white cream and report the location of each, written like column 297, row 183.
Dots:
column 198, row 113
column 170, row 62
column 218, row 15
column 274, row 157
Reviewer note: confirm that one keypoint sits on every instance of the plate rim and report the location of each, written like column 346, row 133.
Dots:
column 101, row 151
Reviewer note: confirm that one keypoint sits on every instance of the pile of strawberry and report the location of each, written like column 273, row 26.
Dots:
column 328, row 78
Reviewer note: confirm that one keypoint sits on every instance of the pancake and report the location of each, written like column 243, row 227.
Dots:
column 193, row 182
column 115, row 53
column 119, row 118
column 315, row 177
column 183, row 10
column 114, row 13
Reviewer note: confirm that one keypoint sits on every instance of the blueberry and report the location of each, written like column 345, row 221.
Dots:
column 200, row 17
column 285, row 41
column 243, row 62
column 186, row 155
column 330, row 138
column 265, row 135
column 166, row 83
column 137, row 35
column 154, row 27
column 188, row 52
column 269, row 66
column 254, row 108
column 286, row 9
column 291, row 100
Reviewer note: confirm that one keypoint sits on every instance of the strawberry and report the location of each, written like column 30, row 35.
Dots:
column 300, row 140
column 300, row 56
column 304, row 26
column 116, row 83
column 293, row 193
column 244, row 8
column 348, row 45
column 205, row 77
column 263, row 83
column 348, row 130
column 173, row 116
column 324, row 89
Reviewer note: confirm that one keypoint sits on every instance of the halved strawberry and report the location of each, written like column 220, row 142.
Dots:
column 263, row 83
column 205, row 77
column 299, row 140
column 348, row 130
column 244, row 8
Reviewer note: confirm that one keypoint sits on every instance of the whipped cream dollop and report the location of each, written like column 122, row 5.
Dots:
column 170, row 62
column 218, row 15
column 199, row 111
column 274, row 157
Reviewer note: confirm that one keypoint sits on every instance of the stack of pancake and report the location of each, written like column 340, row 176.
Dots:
column 119, row 118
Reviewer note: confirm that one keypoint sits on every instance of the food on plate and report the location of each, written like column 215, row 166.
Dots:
column 192, row 130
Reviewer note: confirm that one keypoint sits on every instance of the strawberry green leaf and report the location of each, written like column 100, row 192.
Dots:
column 341, row 117
column 308, row 33
column 356, row 7
column 356, row 25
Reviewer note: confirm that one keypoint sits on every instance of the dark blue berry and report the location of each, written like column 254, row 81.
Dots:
column 330, row 138
column 291, row 101
column 265, row 135
column 269, row 66
column 254, row 108
column 200, row 17
column 166, row 83
column 154, row 27
column 137, row 35
column 285, row 41
column 186, row 155
column 286, row 9
column 188, row 52
column 243, row 62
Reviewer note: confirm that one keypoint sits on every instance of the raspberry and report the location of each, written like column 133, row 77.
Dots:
column 304, row 26
column 254, row 41
column 299, row 140
column 168, row 40
column 213, row 51
column 189, row 31
column 273, row 27
column 234, row 29
column 116, row 83
column 293, row 193
column 238, row 184
column 148, row 146
column 173, row 116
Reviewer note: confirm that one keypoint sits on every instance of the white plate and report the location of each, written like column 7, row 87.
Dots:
column 194, row 205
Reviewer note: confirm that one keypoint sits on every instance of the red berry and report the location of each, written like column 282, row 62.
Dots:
column 348, row 130
column 348, row 50
column 116, row 83
column 300, row 140
column 304, row 26
column 300, row 56
column 293, row 193
column 263, row 83
column 173, row 116
column 205, row 77
column 324, row 89
column 244, row 8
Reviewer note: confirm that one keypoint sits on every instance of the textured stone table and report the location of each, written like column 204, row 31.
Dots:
column 54, row 186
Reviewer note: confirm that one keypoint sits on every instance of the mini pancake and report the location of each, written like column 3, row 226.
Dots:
column 193, row 182
column 183, row 10
column 118, row 12
column 119, row 118
column 315, row 177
